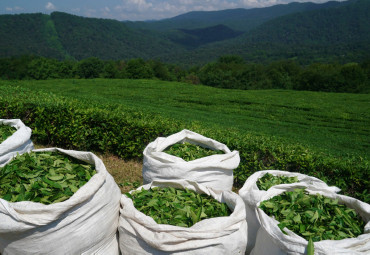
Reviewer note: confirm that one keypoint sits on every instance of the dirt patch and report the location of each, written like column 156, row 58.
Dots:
column 127, row 174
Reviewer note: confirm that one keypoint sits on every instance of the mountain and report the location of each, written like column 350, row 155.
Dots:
column 108, row 39
column 236, row 19
column 307, row 32
column 61, row 35
column 29, row 33
column 341, row 33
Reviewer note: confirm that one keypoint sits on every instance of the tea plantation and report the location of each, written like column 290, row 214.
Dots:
column 326, row 135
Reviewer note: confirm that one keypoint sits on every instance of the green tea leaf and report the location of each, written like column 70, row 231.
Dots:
column 268, row 180
column 56, row 177
column 310, row 247
column 189, row 151
column 6, row 131
column 178, row 207
column 44, row 177
column 313, row 216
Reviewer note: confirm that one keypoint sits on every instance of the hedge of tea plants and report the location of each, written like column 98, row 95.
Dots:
column 125, row 132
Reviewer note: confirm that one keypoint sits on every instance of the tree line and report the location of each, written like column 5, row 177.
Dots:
column 231, row 72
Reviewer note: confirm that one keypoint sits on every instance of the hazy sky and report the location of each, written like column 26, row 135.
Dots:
column 132, row 9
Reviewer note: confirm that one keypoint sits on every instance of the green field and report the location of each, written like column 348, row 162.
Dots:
column 334, row 123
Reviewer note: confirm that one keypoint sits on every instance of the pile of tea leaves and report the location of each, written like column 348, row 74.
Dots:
column 188, row 151
column 313, row 216
column 178, row 207
column 45, row 177
column 6, row 131
column 269, row 180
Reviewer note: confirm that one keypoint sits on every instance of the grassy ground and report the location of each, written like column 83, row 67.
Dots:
column 336, row 123
column 127, row 174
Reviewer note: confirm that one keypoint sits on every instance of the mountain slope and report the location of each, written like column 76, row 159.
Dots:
column 339, row 33
column 334, row 34
column 61, row 35
column 108, row 39
column 192, row 38
column 29, row 33
column 236, row 19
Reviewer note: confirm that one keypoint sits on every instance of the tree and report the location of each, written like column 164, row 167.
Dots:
column 282, row 74
column 231, row 59
column 138, row 69
column 354, row 78
column 110, row 69
column 320, row 77
column 224, row 73
column 89, row 68
column 44, row 68
column 16, row 68
column 160, row 70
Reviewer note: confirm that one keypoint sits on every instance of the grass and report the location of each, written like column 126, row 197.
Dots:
column 334, row 123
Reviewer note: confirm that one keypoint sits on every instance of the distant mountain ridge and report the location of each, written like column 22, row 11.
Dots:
column 307, row 32
column 237, row 19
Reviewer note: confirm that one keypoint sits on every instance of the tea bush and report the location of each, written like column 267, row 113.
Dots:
column 93, row 126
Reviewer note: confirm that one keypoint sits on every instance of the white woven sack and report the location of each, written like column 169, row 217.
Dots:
column 140, row 234
column 86, row 223
column 251, row 195
column 271, row 240
column 214, row 171
column 20, row 142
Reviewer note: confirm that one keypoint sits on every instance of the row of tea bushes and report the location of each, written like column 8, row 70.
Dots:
column 102, row 127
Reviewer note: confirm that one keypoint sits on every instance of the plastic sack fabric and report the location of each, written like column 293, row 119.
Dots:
column 86, row 223
column 214, row 171
column 140, row 234
column 20, row 142
column 251, row 195
column 271, row 240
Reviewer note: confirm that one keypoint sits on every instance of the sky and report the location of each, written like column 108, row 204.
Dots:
column 133, row 10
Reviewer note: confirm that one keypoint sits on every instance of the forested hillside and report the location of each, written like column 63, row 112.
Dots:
column 192, row 38
column 29, row 33
column 237, row 19
column 108, row 39
column 327, row 35
column 304, row 32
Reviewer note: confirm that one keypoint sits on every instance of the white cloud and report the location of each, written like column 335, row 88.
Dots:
column 15, row 9
column 50, row 6
column 265, row 3
column 155, row 9
column 186, row 2
column 90, row 13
